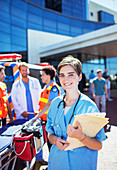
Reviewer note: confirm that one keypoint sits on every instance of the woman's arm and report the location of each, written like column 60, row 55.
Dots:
column 91, row 143
column 46, row 107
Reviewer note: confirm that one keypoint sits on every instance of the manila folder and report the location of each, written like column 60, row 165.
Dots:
column 91, row 125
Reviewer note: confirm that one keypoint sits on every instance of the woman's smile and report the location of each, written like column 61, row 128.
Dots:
column 68, row 78
column 67, row 84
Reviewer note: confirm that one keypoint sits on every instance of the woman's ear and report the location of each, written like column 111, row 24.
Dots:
column 80, row 77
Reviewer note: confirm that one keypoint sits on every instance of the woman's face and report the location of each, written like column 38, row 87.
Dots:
column 69, row 79
column 45, row 77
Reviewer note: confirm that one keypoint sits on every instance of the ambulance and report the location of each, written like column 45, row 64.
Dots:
column 11, row 63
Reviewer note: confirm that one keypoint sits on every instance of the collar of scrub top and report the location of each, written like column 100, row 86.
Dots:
column 56, row 124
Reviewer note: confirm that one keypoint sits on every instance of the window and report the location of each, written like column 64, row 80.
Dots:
column 54, row 5
column 9, row 79
column 91, row 13
column 105, row 17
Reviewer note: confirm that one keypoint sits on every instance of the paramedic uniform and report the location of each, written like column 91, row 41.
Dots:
column 81, row 158
column 3, row 102
column 49, row 92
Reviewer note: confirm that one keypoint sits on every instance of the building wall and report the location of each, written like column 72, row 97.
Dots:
column 107, row 13
column 38, row 40
column 69, row 7
column 17, row 16
column 75, row 8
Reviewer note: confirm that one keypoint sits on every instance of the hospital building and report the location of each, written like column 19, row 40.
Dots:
column 48, row 30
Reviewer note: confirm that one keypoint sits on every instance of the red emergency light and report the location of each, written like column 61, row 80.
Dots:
column 43, row 64
column 10, row 56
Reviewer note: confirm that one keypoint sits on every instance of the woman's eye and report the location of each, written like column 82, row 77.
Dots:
column 71, row 75
column 61, row 75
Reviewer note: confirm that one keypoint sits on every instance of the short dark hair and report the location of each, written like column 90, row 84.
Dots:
column 50, row 70
column 2, row 68
column 74, row 62
column 23, row 64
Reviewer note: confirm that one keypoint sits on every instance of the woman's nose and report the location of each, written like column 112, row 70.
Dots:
column 66, row 78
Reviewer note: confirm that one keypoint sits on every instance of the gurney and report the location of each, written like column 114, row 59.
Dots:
column 7, row 134
column 6, row 152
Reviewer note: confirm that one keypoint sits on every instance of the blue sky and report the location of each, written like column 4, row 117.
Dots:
column 111, row 4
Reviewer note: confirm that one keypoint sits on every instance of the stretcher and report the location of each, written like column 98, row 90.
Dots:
column 6, row 152
column 7, row 133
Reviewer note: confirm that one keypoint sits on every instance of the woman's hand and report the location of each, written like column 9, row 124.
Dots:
column 75, row 132
column 61, row 144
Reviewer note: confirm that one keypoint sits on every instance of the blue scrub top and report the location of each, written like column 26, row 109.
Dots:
column 29, row 100
column 81, row 158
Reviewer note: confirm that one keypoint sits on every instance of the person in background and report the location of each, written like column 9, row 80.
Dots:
column 108, row 86
column 50, row 91
column 25, row 94
column 4, row 103
column 104, row 75
column 100, row 90
column 116, row 78
column 91, row 77
column 60, row 118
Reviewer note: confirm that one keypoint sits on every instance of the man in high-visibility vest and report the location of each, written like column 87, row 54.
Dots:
column 4, row 104
column 50, row 91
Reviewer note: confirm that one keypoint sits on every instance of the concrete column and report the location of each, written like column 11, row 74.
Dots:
column 105, row 63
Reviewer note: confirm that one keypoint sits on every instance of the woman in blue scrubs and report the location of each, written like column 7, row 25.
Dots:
column 60, row 118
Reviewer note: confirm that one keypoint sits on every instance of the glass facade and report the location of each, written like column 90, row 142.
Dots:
column 13, row 25
column 75, row 8
column 99, row 64
column 16, row 16
column 92, row 65
column 105, row 17
column 54, row 5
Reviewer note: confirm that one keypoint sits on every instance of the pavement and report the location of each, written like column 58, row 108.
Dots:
column 107, row 158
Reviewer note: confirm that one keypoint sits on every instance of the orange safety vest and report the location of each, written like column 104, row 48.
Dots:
column 3, row 101
column 44, row 98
